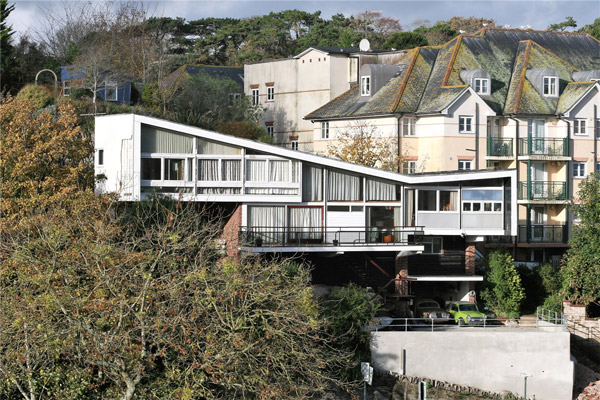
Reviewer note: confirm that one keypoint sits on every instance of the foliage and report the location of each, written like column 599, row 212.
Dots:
column 581, row 264
column 40, row 96
column 569, row 22
column 43, row 156
column 503, row 288
column 437, row 34
column 6, row 47
column 404, row 41
column 245, row 129
column 550, row 278
column 467, row 25
column 593, row 28
column 361, row 144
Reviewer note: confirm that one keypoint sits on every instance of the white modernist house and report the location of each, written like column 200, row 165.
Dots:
column 286, row 201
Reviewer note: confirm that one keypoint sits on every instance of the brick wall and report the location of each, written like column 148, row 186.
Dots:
column 470, row 259
column 231, row 233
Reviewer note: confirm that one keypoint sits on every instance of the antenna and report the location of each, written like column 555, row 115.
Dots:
column 364, row 45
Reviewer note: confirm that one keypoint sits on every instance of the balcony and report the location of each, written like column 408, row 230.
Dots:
column 500, row 147
column 543, row 233
column 542, row 190
column 555, row 147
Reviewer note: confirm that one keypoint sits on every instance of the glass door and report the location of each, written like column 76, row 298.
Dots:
column 538, row 135
column 538, row 216
column 539, row 187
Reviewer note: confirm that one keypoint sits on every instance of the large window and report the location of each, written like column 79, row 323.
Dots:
column 231, row 170
column 325, row 130
column 151, row 169
column 465, row 124
column 208, row 170
column 409, row 126
column 579, row 127
column 173, row 169
column 482, row 86
column 156, row 140
column 382, row 191
column 550, row 86
column 256, row 170
column 266, row 224
column 427, row 200
column 448, row 200
column 481, row 200
column 306, row 224
column 312, row 183
column 344, row 187
column 279, row 171
column 365, row 85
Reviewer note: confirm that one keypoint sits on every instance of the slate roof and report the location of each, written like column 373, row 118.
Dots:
column 217, row 72
column 572, row 93
column 430, row 78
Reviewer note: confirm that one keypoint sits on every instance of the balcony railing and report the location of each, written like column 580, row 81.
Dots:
column 544, row 147
column 543, row 190
column 319, row 236
column 543, row 233
column 500, row 147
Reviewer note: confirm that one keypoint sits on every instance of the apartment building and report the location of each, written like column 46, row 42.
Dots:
column 497, row 99
column 288, row 89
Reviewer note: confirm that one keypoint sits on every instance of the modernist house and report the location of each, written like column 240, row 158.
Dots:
column 290, row 88
column 340, row 215
column 497, row 99
column 110, row 89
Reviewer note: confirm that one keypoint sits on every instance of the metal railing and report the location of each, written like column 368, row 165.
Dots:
column 500, row 147
column 543, row 190
column 544, row 147
column 535, row 233
column 331, row 236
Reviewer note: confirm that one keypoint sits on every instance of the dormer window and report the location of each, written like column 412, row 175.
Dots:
column 482, row 86
column 551, row 86
column 365, row 86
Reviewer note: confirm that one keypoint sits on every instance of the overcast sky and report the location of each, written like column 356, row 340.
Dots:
column 538, row 14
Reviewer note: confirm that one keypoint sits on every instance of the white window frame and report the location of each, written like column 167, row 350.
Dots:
column 325, row 130
column 270, row 93
column 294, row 145
column 464, row 121
column 409, row 167
column 255, row 96
column 66, row 88
column 552, row 86
column 579, row 126
column 107, row 86
column 270, row 130
column 578, row 169
column 365, row 85
column 482, row 82
column 409, row 126
column 464, row 164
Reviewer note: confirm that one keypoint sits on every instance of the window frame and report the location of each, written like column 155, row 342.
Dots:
column 365, row 85
column 325, row 130
column 255, row 95
column 411, row 124
column 462, row 124
column 481, row 81
column 579, row 123
column 270, row 93
column 464, row 162
column 409, row 167
column 578, row 169
column 294, row 145
column 108, row 85
column 552, row 84
column 67, row 88
column 270, row 130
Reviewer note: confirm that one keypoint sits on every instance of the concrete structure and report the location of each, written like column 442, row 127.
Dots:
column 288, row 89
column 494, row 361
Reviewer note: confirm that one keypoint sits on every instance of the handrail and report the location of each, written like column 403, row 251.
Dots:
column 543, row 190
column 557, row 324
column 543, row 146
column 500, row 147
column 539, row 233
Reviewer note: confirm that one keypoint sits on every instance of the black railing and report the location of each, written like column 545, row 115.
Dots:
column 543, row 190
column 544, row 147
column 500, row 147
column 536, row 233
column 319, row 236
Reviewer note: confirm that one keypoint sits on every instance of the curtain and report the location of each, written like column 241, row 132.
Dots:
column 279, row 171
column 208, row 170
column 312, row 183
column 397, row 224
column 344, row 187
column 266, row 223
column 306, row 223
column 377, row 190
column 409, row 200
column 256, row 170
column 231, row 170
column 206, row 147
column 219, row 190
column 276, row 191
column 155, row 140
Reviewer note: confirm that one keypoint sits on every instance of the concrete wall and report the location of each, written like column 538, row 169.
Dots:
column 488, row 360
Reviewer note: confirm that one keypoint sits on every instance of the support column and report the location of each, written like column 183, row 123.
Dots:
column 469, row 258
column 401, row 273
column 231, row 233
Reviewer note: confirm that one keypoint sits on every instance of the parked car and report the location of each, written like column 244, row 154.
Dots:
column 428, row 308
column 466, row 313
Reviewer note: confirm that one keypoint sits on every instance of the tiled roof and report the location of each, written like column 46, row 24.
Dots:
column 572, row 93
column 430, row 78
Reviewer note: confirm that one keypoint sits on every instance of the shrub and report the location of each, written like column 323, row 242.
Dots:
column 503, row 289
column 39, row 95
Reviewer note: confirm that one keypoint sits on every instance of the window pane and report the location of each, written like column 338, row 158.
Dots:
column 476, row 206
column 150, row 168
column 466, row 206
column 448, row 200
column 231, row 170
column 279, row 171
column 487, row 206
column 174, row 169
column 256, row 170
column 492, row 195
column 344, row 187
column 427, row 200
column 382, row 191
column 497, row 206
column 156, row 140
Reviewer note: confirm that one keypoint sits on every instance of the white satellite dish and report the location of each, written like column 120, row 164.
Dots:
column 364, row 45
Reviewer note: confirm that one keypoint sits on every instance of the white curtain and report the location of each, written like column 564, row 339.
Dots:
column 377, row 190
column 206, row 147
column 306, row 223
column 256, row 170
column 295, row 171
column 344, row 187
column 266, row 223
column 279, row 171
column 397, row 224
column 312, row 184
column 277, row 191
column 231, row 170
column 219, row 190
column 208, row 170
column 155, row 140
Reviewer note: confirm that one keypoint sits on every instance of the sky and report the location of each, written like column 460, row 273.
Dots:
column 538, row 14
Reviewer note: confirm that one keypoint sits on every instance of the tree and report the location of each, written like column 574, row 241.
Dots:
column 40, row 96
column 467, row 25
column 244, row 129
column 569, row 22
column 437, row 34
column 593, row 28
column 6, row 48
column 503, row 289
column 581, row 264
column 362, row 143
column 404, row 41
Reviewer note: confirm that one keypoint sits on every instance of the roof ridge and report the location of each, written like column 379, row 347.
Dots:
column 522, row 74
column 452, row 60
column 406, row 77
column 495, row 28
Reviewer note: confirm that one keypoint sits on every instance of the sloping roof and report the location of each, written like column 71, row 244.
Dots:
column 216, row 72
column 430, row 79
column 573, row 92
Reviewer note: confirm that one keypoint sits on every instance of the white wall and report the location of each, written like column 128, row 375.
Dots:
column 492, row 361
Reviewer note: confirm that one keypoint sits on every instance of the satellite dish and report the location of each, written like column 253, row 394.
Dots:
column 364, row 45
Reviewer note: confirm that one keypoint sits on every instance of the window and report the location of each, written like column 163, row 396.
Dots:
column 597, row 128
column 66, row 88
column 235, row 97
column 325, row 130
column 481, row 200
column 579, row 127
column 427, row 200
column 110, row 91
column 344, row 187
column 598, row 167
column 254, row 97
column 270, row 93
column 173, row 169
column 100, row 157
column 465, row 124
column 270, row 130
column 550, row 86
column 151, row 169
column 432, row 245
column 294, row 145
column 482, row 86
column 409, row 167
column 365, row 85
column 578, row 170
column 408, row 126
column 464, row 165
column 448, row 200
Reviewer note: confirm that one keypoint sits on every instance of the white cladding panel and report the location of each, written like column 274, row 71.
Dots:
column 345, row 219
